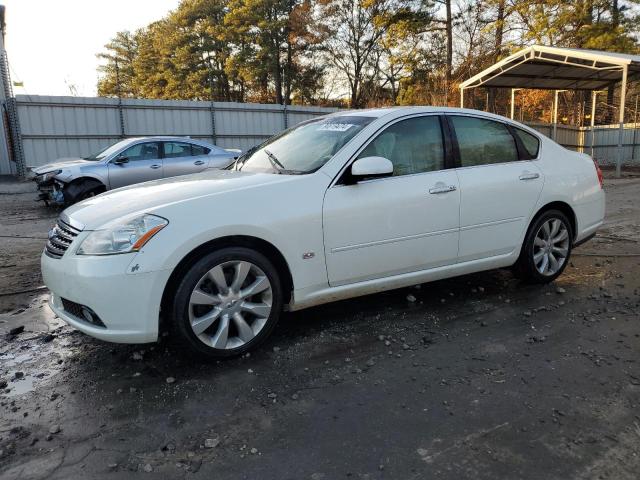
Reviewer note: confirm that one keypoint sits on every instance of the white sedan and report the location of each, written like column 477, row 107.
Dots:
column 349, row 204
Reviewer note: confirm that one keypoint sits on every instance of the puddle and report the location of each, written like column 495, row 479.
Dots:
column 36, row 318
column 20, row 386
column 39, row 363
column 29, row 382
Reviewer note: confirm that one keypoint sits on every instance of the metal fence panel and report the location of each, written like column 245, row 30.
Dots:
column 57, row 127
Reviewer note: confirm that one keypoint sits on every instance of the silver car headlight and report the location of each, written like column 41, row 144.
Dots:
column 47, row 176
column 122, row 236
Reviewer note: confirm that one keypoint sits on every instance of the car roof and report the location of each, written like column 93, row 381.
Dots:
column 394, row 112
column 170, row 138
column 381, row 112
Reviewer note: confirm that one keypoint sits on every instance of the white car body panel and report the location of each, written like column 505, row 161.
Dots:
column 367, row 237
column 338, row 241
column 495, row 207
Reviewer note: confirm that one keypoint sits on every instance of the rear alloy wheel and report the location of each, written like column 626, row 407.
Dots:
column 551, row 247
column 546, row 249
column 228, row 302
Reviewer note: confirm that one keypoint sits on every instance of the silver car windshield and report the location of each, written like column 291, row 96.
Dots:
column 305, row 147
column 107, row 151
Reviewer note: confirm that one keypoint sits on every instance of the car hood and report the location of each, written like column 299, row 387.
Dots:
column 60, row 164
column 95, row 212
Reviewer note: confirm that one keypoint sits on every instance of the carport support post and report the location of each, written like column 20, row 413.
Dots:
column 461, row 97
column 594, row 96
column 555, row 114
column 623, row 95
column 513, row 102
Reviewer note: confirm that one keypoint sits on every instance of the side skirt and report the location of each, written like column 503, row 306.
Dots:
column 317, row 296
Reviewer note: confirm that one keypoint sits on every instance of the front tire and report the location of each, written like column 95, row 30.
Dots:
column 546, row 249
column 227, row 303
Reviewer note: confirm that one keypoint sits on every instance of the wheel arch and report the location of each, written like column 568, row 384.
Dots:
column 565, row 208
column 258, row 244
column 76, row 186
column 88, row 178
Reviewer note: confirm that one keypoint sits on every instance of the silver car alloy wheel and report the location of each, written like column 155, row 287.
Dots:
column 230, row 304
column 551, row 247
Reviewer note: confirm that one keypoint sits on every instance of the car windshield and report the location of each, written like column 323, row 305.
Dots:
column 105, row 152
column 305, row 147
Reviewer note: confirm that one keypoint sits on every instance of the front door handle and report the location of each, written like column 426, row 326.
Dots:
column 155, row 166
column 442, row 189
column 199, row 162
column 529, row 176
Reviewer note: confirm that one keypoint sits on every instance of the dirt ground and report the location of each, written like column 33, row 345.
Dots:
column 481, row 377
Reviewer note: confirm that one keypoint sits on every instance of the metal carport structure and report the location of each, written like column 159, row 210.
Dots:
column 559, row 69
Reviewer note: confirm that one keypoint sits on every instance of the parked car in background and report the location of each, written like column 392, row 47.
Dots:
column 126, row 162
column 349, row 204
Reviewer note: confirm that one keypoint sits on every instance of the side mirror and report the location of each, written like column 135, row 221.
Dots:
column 371, row 167
column 121, row 160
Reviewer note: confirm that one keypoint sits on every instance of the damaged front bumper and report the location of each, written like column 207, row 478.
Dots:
column 50, row 191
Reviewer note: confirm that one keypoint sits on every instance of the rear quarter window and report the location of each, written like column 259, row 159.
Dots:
column 530, row 143
column 199, row 150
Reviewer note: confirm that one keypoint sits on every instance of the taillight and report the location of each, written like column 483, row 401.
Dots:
column 599, row 172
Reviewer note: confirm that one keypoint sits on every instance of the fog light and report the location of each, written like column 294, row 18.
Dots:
column 82, row 312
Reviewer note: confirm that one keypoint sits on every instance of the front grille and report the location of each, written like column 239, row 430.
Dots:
column 81, row 312
column 60, row 238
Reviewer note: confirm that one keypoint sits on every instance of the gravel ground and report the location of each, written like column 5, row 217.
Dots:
column 478, row 377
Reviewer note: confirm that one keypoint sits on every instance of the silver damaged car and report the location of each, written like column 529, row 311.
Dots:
column 129, row 161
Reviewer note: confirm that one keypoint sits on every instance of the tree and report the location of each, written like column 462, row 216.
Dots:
column 273, row 43
column 350, row 38
column 118, row 76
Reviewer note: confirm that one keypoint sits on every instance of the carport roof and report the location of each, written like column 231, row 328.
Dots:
column 551, row 68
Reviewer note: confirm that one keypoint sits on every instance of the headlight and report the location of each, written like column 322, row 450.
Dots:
column 47, row 176
column 122, row 236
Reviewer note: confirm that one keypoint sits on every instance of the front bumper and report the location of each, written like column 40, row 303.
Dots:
column 50, row 192
column 127, row 304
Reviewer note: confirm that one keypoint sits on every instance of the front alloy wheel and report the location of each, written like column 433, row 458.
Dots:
column 230, row 304
column 227, row 302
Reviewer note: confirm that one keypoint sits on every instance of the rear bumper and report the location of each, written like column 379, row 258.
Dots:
column 590, row 217
column 128, row 305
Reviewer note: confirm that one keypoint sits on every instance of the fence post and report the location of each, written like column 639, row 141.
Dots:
column 285, row 116
column 121, row 117
column 11, row 107
column 212, row 110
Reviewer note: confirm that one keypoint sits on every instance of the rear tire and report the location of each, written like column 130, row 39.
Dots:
column 546, row 249
column 227, row 303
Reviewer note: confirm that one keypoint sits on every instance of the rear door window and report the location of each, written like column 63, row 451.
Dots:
column 483, row 142
column 177, row 149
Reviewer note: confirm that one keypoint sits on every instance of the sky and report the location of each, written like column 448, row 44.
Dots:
column 52, row 44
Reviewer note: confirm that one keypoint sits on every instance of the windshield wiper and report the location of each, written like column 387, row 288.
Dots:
column 278, row 166
column 240, row 161
column 274, row 161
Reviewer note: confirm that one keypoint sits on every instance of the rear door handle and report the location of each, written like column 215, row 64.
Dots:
column 199, row 162
column 443, row 189
column 529, row 176
column 155, row 166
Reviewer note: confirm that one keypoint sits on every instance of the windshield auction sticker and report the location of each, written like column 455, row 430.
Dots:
column 336, row 127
